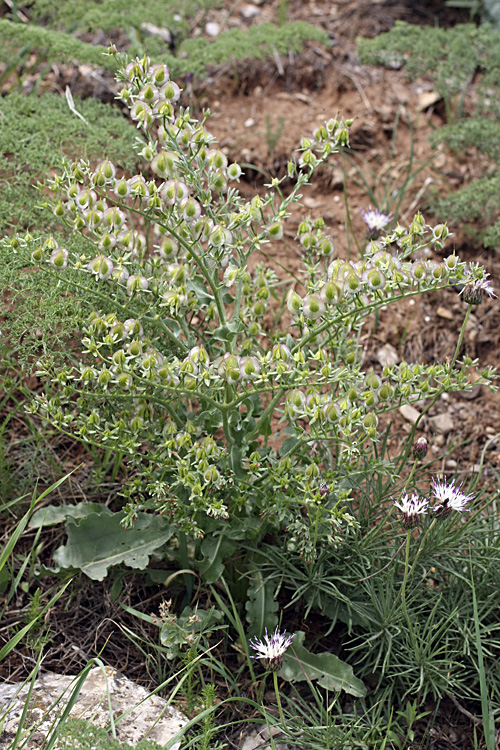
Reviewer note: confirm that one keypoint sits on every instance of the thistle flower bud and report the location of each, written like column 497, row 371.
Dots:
column 472, row 293
column 411, row 507
column 420, row 447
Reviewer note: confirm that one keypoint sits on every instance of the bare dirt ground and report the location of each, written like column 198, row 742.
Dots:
column 259, row 113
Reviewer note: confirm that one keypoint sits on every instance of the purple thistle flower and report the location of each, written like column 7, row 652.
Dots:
column 473, row 291
column 271, row 649
column 449, row 496
column 375, row 220
column 411, row 508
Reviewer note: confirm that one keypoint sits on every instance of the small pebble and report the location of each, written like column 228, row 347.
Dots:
column 212, row 28
column 249, row 11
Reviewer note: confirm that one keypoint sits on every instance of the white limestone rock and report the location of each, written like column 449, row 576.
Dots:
column 153, row 719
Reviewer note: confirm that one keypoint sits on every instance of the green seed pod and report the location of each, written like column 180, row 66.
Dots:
column 124, row 381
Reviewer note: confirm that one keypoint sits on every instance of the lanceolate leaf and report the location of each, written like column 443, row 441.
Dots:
column 53, row 514
column 261, row 606
column 330, row 672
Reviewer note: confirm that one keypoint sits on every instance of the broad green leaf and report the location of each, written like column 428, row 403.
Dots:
column 215, row 551
column 53, row 514
column 330, row 672
column 288, row 444
column 261, row 606
column 99, row 541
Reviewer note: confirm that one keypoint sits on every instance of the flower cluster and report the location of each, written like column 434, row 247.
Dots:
column 447, row 495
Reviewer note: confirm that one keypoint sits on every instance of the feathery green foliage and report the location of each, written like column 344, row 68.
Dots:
column 17, row 40
column 44, row 131
column 258, row 42
column 194, row 56
column 465, row 64
column 92, row 15
column 37, row 312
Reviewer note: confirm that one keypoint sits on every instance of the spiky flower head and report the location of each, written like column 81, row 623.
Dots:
column 375, row 220
column 473, row 291
column 271, row 648
column 449, row 497
column 411, row 507
column 420, row 447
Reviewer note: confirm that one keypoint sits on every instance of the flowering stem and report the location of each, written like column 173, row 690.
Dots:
column 405, row 578
column 461, row 337
column 278, row 699
column 411, row 472
column 421, row 545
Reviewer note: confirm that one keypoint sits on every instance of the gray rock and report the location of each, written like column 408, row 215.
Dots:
column 153, row 719
column 258, row 739
column 409, row 413
column 442, row 423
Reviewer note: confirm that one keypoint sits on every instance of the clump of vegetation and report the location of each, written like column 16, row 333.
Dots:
column 464, row 62
column 253, row 437
column 183, row 55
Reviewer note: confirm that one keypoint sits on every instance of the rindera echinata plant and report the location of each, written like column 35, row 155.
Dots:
column 234, row 422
